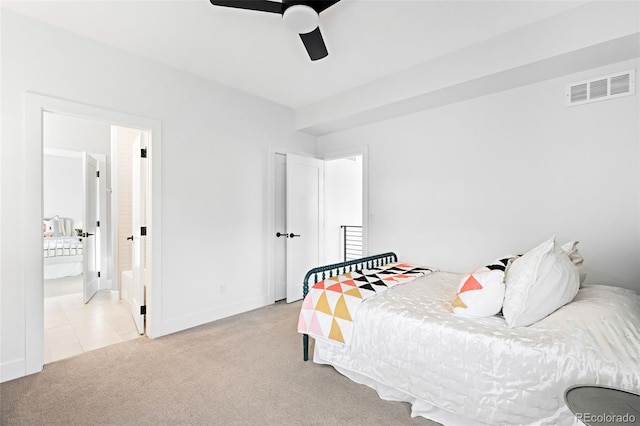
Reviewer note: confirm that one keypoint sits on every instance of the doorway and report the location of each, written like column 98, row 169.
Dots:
column 35, row 108
column 343, row 212
column 344, row 202
column 82, row 308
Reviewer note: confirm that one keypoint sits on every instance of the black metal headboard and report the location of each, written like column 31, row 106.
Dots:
column 325, row 272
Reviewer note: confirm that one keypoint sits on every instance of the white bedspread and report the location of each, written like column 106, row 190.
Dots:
column 409, row 346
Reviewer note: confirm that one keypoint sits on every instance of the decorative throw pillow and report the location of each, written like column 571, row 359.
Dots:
column 571, row 248
column 52, row 227
column 538, row 283
column 480, row 293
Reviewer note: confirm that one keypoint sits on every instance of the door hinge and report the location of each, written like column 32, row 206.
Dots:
column 98, row 274
column 143, row 230
column 98, row 223
column 98, row 173
column 143, row 310
column 143, row 153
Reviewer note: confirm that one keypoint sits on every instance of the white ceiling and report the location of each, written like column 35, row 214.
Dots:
column 253, row 52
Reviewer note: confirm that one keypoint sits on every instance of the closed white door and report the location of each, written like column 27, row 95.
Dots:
column 138, row 221
column 91, row 282
column 305, row 221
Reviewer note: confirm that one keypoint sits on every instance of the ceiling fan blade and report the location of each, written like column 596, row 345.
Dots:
column 320, row 5
column 314, row 43
column 259, row 5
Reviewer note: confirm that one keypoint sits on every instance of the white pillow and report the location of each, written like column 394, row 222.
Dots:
column 538, row 283
column 571, row 248
column 480, row 294
column 62, row 227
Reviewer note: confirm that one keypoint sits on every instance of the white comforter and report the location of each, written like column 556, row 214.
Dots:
column 409, row 346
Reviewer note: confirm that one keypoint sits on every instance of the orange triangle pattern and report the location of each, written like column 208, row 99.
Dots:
column 471, row 284
column 335, row 287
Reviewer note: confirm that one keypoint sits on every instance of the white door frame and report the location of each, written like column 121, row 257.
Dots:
column 35, row 106
column 271, row 188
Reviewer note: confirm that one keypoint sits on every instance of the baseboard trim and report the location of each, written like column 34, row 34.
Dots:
column 12, row 370
column 107, row 285
column 203, row 317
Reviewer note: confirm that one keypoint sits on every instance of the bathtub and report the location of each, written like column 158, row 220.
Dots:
column 126, row 282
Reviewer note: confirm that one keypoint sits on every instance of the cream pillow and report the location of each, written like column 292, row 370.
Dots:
column 538, row 283
column 571, row 248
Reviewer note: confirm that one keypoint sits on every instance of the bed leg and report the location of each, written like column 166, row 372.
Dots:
column 305, row 346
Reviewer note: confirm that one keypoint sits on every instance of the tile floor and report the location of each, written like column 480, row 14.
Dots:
column 72, row 327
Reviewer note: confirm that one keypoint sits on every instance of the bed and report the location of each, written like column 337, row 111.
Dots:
column 409, row 345
column 62, row 251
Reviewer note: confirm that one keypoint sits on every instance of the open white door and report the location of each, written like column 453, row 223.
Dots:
column 138, row 221
column 280, row 246
column 305, row 221
column 91, row 282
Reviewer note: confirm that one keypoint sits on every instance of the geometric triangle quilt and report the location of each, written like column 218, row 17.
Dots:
column 330, row 306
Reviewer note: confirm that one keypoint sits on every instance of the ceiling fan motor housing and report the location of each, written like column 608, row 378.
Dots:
column 300, row 18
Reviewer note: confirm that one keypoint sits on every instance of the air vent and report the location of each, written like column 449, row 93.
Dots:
column 579, row 93
column 601, row 88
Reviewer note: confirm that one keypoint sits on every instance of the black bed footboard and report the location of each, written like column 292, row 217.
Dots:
column 324, row 272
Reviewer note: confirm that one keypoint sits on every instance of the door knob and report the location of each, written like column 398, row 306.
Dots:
column 292, row 235
column 280, row 234
column 130, row 238
column 86, row 234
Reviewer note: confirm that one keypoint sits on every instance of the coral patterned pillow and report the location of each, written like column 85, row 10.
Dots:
column 480, row 293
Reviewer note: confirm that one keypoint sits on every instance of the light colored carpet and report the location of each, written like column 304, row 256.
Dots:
column 243, row 370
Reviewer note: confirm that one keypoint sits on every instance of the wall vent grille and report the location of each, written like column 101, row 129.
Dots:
column 601, row 88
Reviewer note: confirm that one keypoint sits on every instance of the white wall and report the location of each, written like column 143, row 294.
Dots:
column 457, row 186
column 343, row 202
column 62, row 177
column 76, row 134
column 214, row 160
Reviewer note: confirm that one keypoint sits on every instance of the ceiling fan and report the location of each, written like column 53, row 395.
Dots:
column 300, row 16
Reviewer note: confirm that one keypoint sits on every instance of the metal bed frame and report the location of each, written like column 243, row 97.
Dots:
column 327, row 272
